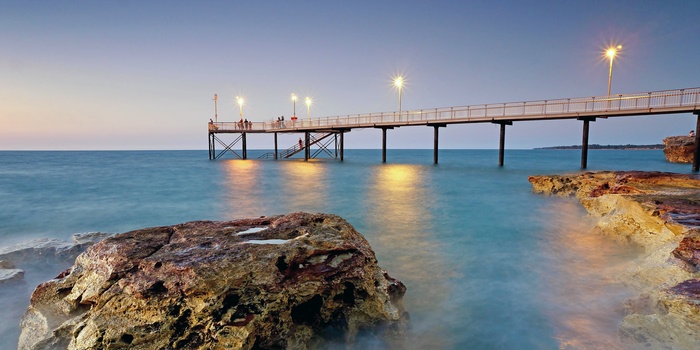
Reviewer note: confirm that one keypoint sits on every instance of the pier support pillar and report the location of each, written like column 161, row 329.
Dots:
column 502, row 140
column 335, row 140
column 436, row 135
column 384, row 129
column 275, row 145
column 244, row 148
column 342, row 144
column 212, row 153
column 696, row 155
column 584, row 141
column 307, row 143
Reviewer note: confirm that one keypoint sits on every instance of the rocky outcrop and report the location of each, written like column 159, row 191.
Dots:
column 271, row 282
column 679, row 149
column 661, row 213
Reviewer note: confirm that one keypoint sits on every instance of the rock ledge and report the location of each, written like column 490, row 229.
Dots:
column 271, row 282
column 661, row 213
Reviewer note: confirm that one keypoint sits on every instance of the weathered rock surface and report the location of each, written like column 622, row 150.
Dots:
column 660, row 212
column 679, row 149
column 275, row 282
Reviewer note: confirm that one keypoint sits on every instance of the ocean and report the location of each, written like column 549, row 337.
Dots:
column 487, row 263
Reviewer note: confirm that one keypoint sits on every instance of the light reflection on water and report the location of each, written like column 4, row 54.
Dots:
column 402, row 228
column 304, row 184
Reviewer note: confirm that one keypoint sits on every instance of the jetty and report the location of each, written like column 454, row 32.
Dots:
column 324, row 132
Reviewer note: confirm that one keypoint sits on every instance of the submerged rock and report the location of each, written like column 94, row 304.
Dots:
column 679, row 149
column 275, row 282
column 661, row 213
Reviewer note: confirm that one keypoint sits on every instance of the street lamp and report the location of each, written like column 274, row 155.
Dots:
column 240, row 102
column 308, row 102
column 611, row 53
column 294, row 100
column 398, row 83
column 216, row 110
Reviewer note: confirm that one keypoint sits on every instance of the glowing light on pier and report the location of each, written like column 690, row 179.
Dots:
column 294, row 102
column 240, row 101
column 308, row 101
column 611, row 53
column 398, row 83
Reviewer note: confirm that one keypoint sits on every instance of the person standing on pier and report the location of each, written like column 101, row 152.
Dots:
column 301, row 144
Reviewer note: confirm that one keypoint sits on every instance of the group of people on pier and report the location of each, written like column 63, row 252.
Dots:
column 280, row 123
column 245, row 124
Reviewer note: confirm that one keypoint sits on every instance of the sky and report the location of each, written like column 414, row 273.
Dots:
column 123, row 75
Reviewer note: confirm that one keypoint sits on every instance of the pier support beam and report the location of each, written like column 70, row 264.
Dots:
column 384, row 128
column 342, row 144
column 275, row 145
column 335, row 139
column 696, row 155
column 502, row 140
column 436, row 135
column 584, row 141
column 244, row 149
column 307, row 144
column 212, row 151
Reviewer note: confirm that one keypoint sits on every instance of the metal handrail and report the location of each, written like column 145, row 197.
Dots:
column 541, row 109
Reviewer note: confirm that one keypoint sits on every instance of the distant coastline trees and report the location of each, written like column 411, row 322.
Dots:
column 597, row 146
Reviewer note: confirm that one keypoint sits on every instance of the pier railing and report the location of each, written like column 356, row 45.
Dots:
column 666, row 101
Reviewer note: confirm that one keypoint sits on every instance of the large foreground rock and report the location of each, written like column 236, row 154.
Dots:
column 661, row 213
column 679, row 149
column 275, row 282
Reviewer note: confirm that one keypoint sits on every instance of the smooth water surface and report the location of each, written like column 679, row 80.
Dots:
column 488, row 264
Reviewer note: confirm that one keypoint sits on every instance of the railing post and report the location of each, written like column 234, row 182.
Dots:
column 619, row 102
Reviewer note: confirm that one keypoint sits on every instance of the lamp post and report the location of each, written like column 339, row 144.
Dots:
column 294, row 102
column 398, row 83
column 308, row 102
column 240, row 102
column 611, row 53
column 216, row 109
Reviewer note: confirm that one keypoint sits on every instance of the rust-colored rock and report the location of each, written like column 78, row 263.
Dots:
column 688, row 251
column 679, row 149
column 271, row 282
column 660, row 212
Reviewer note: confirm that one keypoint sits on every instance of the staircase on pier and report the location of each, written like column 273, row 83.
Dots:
column 316, row 139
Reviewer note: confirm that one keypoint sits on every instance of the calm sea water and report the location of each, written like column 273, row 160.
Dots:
column 488, row 264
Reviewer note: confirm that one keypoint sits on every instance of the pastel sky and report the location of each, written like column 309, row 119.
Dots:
column 142, row 74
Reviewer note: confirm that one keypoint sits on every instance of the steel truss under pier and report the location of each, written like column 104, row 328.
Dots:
column 322, row 140
column 584, row 109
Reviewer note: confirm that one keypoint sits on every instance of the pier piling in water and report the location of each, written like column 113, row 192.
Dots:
column 584, row 141
column 502, row 140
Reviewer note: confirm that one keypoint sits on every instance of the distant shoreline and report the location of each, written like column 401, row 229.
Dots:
column 617, row 147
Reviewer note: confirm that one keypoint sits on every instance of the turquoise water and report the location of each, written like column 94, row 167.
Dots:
column 488, row 264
